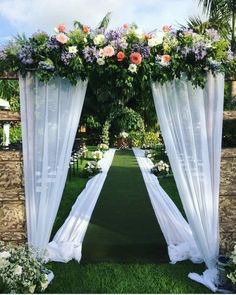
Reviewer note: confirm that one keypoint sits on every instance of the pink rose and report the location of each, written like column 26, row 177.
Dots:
column 136, row 58
column 61, row 28
column 62, row 38
column 108, row 51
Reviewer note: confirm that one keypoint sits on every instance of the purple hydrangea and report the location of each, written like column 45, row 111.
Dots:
column 199, row 50
column 90, row 54
column 114, row 35
column 25, row 55
column 53, row 43
column 213, row 34
column 144, row 50
column 66, row 57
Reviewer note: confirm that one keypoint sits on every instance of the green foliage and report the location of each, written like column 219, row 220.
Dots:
column 105, row 137
column 136, row 138
column 15, row 134
column 125, row 119
column 150, row 139
column 9, row 90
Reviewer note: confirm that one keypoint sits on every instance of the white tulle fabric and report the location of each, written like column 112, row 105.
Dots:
column 191, row 124
column 176, row 230
column 50, row 114
column 67, row 243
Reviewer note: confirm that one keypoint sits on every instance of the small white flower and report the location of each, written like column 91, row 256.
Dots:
column 5, row 254
column 56, row 30
column 158, row 39
column 100, row 61
column 101, row 53
column 73, row 49
column 132, row 68
column 99, row 39
column 18, row 270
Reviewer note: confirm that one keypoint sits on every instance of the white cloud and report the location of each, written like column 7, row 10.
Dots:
column 30, row 15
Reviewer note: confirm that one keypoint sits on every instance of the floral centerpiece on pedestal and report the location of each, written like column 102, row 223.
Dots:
column 97, row 155
column 123, row 141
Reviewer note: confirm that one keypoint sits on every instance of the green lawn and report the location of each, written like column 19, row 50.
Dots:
column 124, row 250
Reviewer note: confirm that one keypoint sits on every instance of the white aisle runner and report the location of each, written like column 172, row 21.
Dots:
column 67, row 243
column 176, row 230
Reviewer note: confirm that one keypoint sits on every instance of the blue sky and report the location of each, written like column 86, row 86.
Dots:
column 18, row 16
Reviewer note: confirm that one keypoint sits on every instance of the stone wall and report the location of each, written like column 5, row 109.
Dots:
column 228, row 200
column 12, row 204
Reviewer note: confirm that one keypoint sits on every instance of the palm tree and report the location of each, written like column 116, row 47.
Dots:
column 222, row 16
column 223, row 11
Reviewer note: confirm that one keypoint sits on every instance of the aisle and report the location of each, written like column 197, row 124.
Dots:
column 123, row 227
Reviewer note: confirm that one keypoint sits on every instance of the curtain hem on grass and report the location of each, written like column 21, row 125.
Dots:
column 176, row 230
column 191, row 123
column 67, row 243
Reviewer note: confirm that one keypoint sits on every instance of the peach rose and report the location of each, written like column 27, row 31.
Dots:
column 166, row 58
column 86, row 29
column 108, row 51
column 62, row 38
column 136, row 58
column 126, row 26
column 120, row 56
column 61, row 28
column 147, row 36
column 166, row 29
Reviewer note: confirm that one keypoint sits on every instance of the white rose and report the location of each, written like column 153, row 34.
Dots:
column 5, row 254
column 158, row 39
column 99, row 39
column 18, row 270
column 132, row 68
column 73, row 49
column 100, row 61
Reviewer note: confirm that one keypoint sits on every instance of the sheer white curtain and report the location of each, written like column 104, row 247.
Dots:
column 50, row 114
column 176, row 230
column 191, row 124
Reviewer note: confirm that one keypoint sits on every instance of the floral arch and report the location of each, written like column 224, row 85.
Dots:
column 186, row 71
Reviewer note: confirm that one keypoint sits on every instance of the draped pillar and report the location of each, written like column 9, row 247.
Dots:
column 191, row 124
column 50, row 114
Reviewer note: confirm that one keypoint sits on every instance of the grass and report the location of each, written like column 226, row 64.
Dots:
column 124, row 250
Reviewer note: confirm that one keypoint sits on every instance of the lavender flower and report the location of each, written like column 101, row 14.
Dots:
column 213, row 34
column 90, row 54
column 144, row 50
column 53, row 43
column 66, row 57
column 25, row 55
column 230, row 54
column 199, row 49
column 114, row 35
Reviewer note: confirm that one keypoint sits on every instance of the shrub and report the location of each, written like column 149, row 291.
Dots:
column 150, row 140
column 105, row 133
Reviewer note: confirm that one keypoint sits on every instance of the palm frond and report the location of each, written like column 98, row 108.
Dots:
column 105, row 21
column 78, row 24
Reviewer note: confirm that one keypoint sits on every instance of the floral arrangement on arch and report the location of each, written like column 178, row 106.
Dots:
column 21, row 272
column 122, row 58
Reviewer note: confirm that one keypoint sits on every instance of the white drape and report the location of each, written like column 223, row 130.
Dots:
column 176, row 230
column 191, row 124
column 67, row 243
column 50, row 114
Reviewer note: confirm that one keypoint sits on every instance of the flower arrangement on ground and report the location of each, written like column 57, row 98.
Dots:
column 92, row 168
column 103, row 147
column 122, row 58
column 83, row 151
column 97, row 155
column 21, row 272
column 161, row 169
column 231, row 267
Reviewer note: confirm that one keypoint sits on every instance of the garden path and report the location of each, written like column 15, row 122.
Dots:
column 123, row 227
